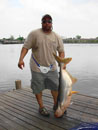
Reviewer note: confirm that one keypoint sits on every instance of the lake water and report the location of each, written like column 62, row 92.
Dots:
column 84, row 66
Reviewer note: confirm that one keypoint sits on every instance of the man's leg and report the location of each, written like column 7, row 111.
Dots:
column 54, row 94
column 42, row 110
column 39, row 99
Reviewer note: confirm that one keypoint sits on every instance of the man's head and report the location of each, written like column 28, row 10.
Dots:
column 47, row 23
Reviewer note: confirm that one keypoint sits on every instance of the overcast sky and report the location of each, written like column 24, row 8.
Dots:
column 70, row 17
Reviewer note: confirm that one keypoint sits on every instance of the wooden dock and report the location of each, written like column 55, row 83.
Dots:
column 19, row 111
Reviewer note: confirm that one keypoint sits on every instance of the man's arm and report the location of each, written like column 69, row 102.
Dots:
column 22, row 55
column 62, row 55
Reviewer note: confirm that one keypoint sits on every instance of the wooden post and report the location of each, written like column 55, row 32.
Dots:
column 18, row 84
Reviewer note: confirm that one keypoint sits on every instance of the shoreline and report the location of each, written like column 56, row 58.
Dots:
column 23, row 43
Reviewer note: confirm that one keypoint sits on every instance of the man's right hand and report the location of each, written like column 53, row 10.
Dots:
column 21, row 64
column 22, row 55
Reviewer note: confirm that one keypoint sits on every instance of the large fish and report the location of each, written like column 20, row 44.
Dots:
column 65, row 87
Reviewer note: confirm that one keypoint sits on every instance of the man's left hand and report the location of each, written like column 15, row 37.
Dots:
column 64, row 67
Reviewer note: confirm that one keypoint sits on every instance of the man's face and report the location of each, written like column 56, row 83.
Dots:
column 46, row 24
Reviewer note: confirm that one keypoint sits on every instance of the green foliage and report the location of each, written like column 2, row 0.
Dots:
column 78, row 37
column 76, row 40
column 20, row 38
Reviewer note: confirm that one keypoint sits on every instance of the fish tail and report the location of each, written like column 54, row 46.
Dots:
column 62, row 60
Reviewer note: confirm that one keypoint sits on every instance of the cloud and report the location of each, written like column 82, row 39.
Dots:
column 70, row 17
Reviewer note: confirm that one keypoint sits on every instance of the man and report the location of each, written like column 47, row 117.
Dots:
column 43, row 42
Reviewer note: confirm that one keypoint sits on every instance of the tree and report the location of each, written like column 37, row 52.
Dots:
column 20, row 38
column 11, row 37
column 78, row 37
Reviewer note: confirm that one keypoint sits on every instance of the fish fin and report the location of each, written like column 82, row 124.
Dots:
column 66, row 60
column 72, row 78
column 62, row 60
column 73, row 92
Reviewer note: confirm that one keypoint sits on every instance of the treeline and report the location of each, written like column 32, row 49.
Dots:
column 74, row 40
column 12, row 40
column 78, row 39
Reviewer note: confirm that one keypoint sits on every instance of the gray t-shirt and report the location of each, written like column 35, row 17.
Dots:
column 43, row 46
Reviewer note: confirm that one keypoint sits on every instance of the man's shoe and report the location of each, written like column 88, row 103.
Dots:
column 44, row 112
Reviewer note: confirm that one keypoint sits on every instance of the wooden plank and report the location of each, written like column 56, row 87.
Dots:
column 34, row 108
column 9, row 122
column 89, row 110
column 46, row 93
column 3, row 125
column 2, row 128
column 70, row 122
column 21, row 105
column 82, row 99
column 51, row 121
column 81, row 107
column 89, row 105
column 85, row 98
column 32, row 97
column 30, row 119
column 84, row 108
column 30, row 106
column 80, row 116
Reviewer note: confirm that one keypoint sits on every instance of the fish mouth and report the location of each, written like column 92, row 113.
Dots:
column 62, row 60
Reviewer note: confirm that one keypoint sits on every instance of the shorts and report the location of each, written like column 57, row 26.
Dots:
column 41, row 81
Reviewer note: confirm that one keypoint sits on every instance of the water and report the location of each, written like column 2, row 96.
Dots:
column 83, row 66
column 9, row 71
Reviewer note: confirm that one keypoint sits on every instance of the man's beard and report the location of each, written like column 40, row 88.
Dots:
column 47, row 29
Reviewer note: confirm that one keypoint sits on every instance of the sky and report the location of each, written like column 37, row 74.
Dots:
column 70, row 17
